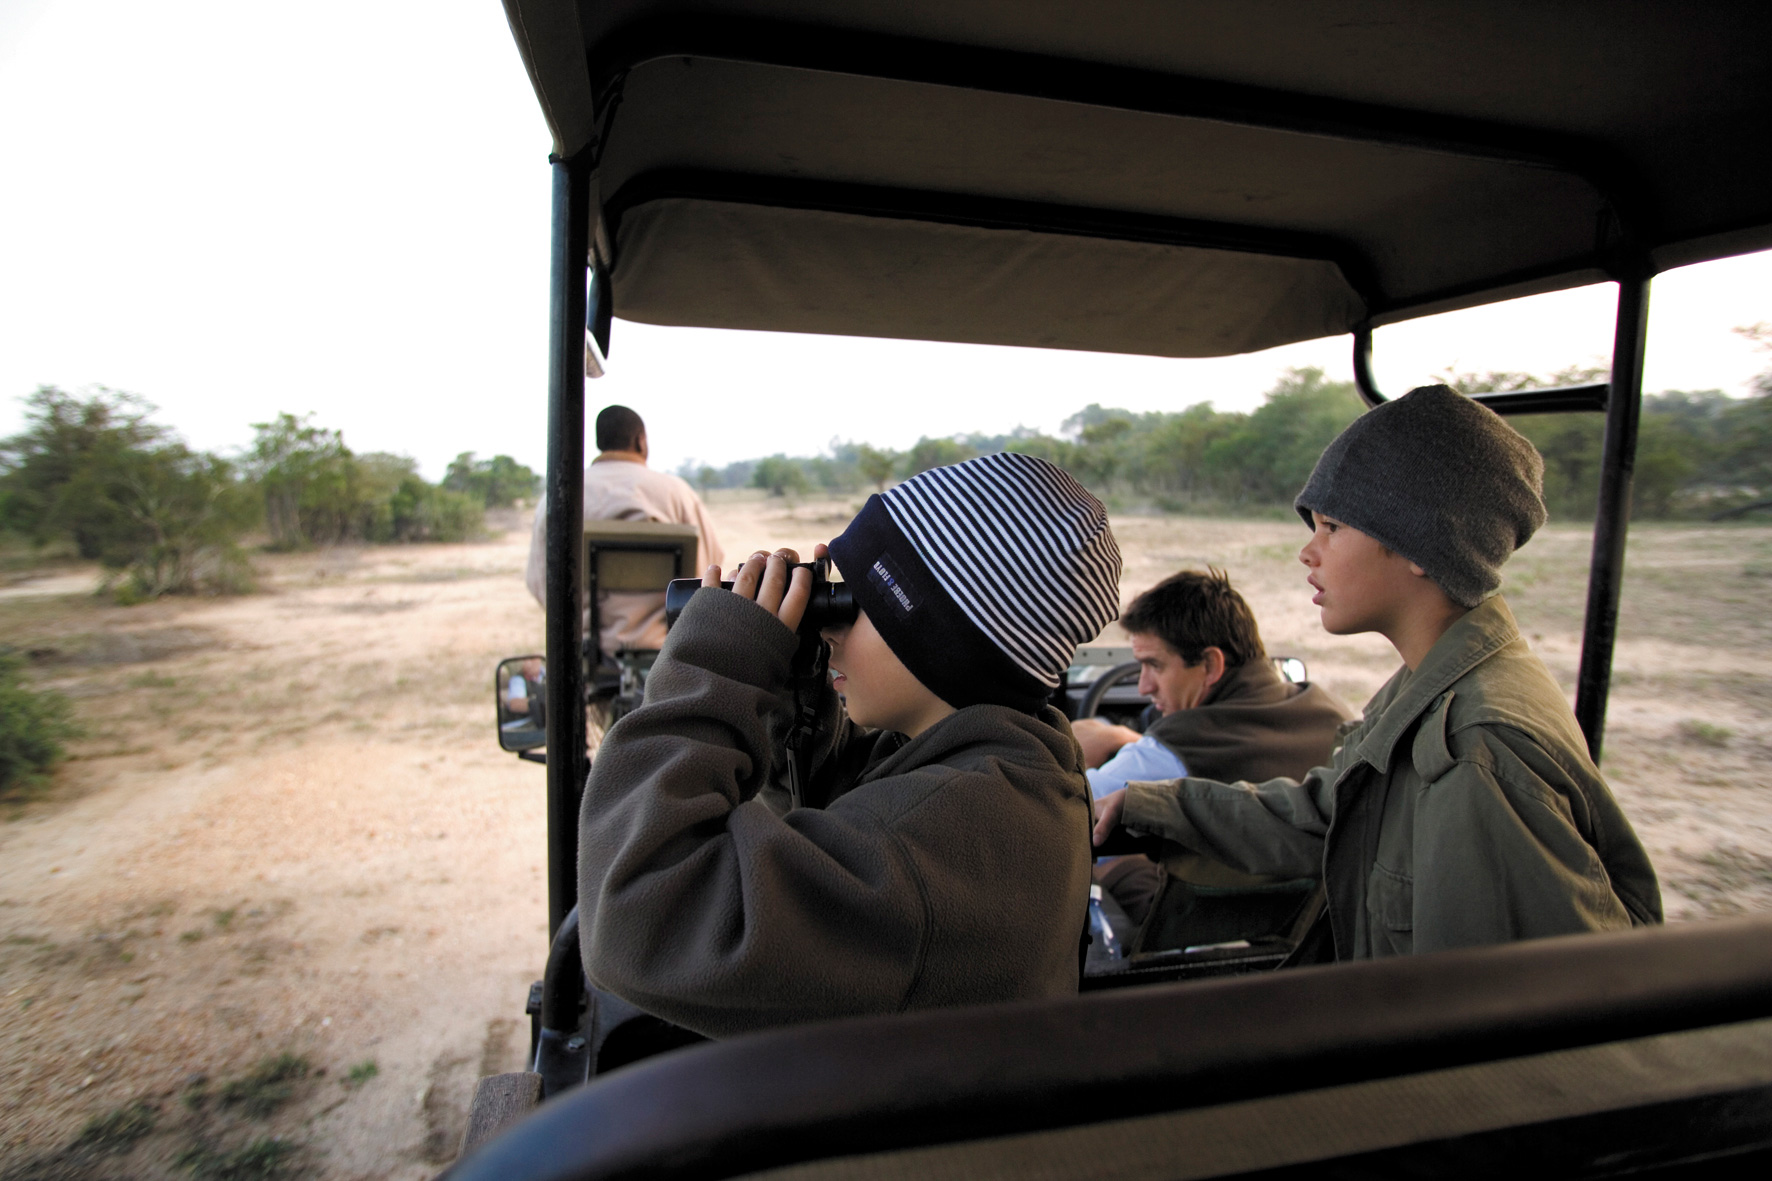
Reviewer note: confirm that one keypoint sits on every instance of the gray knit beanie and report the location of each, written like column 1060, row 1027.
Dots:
column 1439, row 479
column 983, row 577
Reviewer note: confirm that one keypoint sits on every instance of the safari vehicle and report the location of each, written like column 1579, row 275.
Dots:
column 1176, row 179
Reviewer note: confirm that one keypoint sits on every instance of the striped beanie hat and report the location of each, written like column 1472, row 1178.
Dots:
column 983, row 577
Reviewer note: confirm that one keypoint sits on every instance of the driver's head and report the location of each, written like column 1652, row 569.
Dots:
column 983, row 577
column 1187, row 632
column 620, row 429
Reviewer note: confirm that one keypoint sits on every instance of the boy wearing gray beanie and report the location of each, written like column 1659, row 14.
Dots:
column 935, row 850
column 1463, row 808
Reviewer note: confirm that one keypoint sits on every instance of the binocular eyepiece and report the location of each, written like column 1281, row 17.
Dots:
column 829, row 606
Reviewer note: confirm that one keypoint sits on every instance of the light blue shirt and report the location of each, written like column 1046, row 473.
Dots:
column 1138, row 761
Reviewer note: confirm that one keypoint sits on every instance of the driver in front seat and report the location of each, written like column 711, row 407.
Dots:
column 1226, row 713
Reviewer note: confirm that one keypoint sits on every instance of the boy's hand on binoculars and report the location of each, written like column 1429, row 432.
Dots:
column 773, row 582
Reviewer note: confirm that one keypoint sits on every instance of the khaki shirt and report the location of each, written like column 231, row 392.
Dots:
column 622, row 490
column 1461, row 810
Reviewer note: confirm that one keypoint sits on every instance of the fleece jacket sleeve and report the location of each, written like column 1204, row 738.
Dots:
column 698, row 901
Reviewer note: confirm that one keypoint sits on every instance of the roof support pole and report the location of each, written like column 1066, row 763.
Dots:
column 1363, row 379
column 569, row 264
column 1618, row 461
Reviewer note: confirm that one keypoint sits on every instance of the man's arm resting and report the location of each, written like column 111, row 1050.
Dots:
column 1101, row 740
column 1146, row 760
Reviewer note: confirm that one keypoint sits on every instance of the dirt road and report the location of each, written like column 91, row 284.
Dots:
column 289, row 832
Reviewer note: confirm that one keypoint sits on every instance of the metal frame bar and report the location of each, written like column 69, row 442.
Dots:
column 1565, row 399
column 1618, row 462
column 569, row 265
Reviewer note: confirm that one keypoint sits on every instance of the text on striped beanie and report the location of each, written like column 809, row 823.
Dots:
column 983, row 577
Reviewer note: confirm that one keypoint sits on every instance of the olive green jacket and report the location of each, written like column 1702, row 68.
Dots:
column 1462, row 809
column 949, row 869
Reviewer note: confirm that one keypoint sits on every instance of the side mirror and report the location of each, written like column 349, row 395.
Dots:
column 520, row 702
column 1292, row 669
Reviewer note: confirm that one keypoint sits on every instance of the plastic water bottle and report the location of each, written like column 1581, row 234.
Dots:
column 1104, row 945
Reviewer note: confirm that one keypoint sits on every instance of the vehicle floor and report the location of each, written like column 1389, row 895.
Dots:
column 282, row 907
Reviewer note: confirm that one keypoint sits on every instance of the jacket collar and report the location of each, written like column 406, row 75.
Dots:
column 1483, row 631
column 1255, row 680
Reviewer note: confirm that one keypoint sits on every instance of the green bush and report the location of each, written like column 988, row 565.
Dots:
column 317, row 492
column 34, row 726
column 780, row 475
column 493, row 483
column 92, row 470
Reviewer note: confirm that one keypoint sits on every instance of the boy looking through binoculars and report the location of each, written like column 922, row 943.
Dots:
column 932, row 848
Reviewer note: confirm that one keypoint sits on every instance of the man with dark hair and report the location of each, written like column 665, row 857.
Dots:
column 620, row 487
column 1226, row 713
column 620, row 430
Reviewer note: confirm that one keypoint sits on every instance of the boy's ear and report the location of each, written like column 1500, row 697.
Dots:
column 1417, row 570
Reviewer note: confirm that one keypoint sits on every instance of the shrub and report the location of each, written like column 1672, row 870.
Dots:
column 34, row 725
column 93, row 470
column 116, row 1131
column 268, row 1086
column 494, row 483
column 780, row 475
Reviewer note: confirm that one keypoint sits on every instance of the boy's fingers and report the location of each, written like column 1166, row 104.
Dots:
column 788, row 555
column 711, row 576
column 744, row 583
column 793, row 604
column 774, row 585
column 1107, row 815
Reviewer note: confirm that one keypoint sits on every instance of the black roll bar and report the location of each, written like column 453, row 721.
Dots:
column 569, row 264
column 1621, row 400
column 1618, row 463
column 1563, row 399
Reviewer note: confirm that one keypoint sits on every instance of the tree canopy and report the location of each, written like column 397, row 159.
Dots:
column 1700, row 453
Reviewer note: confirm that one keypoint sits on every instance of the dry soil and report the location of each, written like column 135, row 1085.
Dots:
column 289, row 831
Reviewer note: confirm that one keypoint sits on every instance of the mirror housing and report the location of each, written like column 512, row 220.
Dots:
column 520, row 703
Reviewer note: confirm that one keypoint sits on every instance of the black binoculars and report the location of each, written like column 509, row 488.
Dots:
column 829, row 606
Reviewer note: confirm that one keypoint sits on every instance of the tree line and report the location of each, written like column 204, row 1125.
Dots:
column 1700, row 454
column 91, row 475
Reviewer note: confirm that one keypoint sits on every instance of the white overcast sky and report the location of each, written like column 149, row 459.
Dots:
column 341, row 206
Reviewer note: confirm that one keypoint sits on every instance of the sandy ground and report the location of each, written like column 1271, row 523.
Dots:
column 289, row 829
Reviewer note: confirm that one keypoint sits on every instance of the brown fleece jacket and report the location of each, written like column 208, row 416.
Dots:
column 1253, row 725
column 947, row 870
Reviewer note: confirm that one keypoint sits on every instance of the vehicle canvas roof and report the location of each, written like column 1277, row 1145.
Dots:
column 1160, row 177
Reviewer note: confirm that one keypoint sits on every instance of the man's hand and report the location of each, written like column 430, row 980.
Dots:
column 1107, row 814
column 1101, row 740
column 773, row 582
